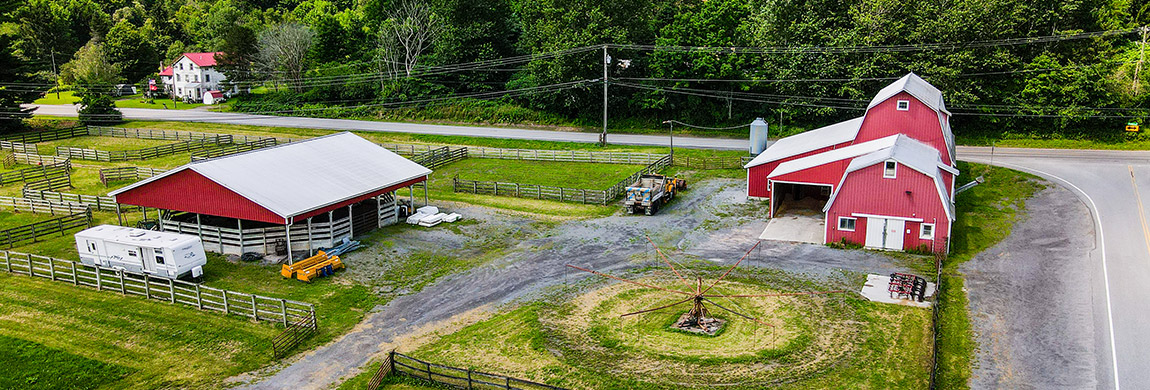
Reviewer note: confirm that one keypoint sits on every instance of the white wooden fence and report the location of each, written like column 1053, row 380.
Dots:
column 257, row 307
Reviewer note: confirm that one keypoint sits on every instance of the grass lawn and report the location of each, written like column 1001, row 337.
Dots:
column 139, row 102
column 986, row 214
column 11, row 220
column 30, row 365
column 552, row 173
column 65, row 98
column 100, row 143
column 579, row 342
column 164, row 345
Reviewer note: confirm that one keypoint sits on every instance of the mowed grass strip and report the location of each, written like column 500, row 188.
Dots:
column 590, row 176
column 100, row 143
column 10, row 220
column 167, row 346
column 33, row 366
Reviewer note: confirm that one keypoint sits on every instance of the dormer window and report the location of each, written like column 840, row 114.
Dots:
column 890, row 169
column 903, row 105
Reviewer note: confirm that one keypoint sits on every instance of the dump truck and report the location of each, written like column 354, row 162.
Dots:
column 651, row 192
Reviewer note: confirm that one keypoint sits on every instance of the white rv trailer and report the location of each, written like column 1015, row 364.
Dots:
column 162, row 254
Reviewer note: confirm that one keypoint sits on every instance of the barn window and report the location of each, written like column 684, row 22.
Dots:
column 927, row 231
column 847, row 224
column 890, row 169
column 904, row 105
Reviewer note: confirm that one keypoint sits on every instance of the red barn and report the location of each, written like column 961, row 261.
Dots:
column 302, row 195
column 906, row 128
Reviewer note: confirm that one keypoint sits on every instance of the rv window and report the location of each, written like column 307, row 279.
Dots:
column 159, row 259
column 132, row 253
column 92, row 246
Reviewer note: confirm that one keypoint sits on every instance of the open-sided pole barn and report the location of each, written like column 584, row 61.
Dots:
column 303, row 195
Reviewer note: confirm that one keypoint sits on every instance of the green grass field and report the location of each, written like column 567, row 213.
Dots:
column 99, row 143
column 31, row 366
column 164, row 345
column 11, row 220
column 64, row 98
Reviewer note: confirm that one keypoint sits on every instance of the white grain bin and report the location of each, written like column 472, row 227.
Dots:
column 758, row 136
column 162, row 254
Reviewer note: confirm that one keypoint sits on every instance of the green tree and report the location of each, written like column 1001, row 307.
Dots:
column 127, row 47
column 239, row 51
column 13, row 72
column 94, row 76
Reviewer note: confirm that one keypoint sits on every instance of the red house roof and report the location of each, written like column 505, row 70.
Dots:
column 216, row 94
column 166, row 72
column 202, row 59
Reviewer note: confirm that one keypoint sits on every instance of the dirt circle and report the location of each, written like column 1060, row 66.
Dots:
column 801, row 339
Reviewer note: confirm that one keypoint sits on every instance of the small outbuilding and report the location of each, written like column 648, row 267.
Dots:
column 213, row 97
column 303, row 195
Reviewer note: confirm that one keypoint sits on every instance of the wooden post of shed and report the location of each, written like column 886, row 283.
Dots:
column 425, row 191
column 199, row 227
column 288, row 235
column 378, row 212
column 331, row 227
column 240, row 225
column 350, row 223
column 309, row 250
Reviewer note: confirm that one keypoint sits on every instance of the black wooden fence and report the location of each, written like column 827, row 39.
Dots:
column 33, row 232
column 295, row 334
column 193, row 145
column 36, row 173
column 108, row 175
column 562, row 194
column 32, row 137
column 233, row 149
column 398, row 363
column 435, row 158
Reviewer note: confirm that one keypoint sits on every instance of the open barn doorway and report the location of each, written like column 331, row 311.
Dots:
column 799, row 198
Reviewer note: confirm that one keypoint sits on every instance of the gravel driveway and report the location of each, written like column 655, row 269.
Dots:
column 712, row 221
column 1030, row 300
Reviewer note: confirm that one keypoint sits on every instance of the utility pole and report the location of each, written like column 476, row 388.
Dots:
column 1141, row 57
column 55, row 72
column 606, row 60
column 672, row 134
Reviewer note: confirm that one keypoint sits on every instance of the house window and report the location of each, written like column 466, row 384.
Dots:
column 927, row 231
column 847, row 224
column 904, row 105
column 207, row 78
column 890, row 168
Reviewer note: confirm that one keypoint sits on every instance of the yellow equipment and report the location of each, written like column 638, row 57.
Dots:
column 307, row 269
column 1132, row 127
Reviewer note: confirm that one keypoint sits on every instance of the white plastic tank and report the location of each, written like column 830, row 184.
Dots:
column 758, row 136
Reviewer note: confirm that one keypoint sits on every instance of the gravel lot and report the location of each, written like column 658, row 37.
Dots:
column 1030, row 300
column 712, row 221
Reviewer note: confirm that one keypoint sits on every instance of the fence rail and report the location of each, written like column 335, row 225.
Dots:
column 233, row 149
column 56, row 181
column 40, row 159
column 108, row 175
column 459, row 377
column 435, row 158
column 36, row 173
column 562, row 194
column 32, row 137
column 99, row 203
column 34, row 231
column 295, row 334
column 712, row 162
column 20, row 205
column 175, row 135
column 18, row 147
column 193, row 145
column 259, row 308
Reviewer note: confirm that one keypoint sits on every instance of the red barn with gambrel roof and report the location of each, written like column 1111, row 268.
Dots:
column 905, row 128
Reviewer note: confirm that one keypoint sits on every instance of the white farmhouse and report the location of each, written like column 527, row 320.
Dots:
column 194, row 74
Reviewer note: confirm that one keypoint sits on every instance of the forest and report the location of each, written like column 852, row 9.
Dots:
column 1055, row 68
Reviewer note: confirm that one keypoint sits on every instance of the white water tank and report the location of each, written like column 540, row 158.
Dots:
column 758, row 136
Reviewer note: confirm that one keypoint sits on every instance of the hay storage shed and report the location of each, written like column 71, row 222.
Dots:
column 303, row 195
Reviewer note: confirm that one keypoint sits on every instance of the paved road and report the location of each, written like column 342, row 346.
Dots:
column 1112, row 184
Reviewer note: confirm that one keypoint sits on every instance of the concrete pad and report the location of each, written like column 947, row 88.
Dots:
column 795, row 228
column 876, row 290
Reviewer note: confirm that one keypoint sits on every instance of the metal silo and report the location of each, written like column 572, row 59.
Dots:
column 758, row 136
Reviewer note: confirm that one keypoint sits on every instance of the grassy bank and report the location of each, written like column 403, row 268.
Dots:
column 985, row 216
column 33, row 366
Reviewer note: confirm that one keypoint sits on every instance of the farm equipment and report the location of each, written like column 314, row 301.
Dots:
column 651, row 192
column 1132, row 127
column 310, row 268
column 907, row 286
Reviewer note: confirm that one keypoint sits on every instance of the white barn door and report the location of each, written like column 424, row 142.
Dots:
column 884, row 233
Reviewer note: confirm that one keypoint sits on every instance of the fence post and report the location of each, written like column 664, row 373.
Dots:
column 199, row 298
column 428, row 371
column 255, row 310
column 75, row 275
column 227, row 310
column 283, row 310
column 99, row 280
column 51, row 269
column 8, row 261
column 147, row 287
column 172, row 289
column 469, row 379
column 123, row 287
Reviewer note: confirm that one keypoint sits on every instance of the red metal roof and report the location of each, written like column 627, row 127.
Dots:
column 216, row 94
column 202, row 59
column 166, row 72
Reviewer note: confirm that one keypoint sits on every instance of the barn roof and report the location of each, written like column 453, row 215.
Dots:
column 300, row 177
column 912, row 154
column 916, row 87
column 810, row 140
column 830, row 156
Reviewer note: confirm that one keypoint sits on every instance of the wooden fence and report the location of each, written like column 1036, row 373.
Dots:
column 238, row 241
column 295, row 334
column 55, row 181
column 233, row 149
column 175, row 135
column 259, row 308
column 108, row 175
column 145, row 153
column 565, row 155
column 9, row 160
column 36, row 173
column 562, row 194
column 712, row 162
column 435, row 158
column 34, row 231
column 40, row 159
column 399, row 363
column 25, row 205
column 96, row 202
column 32, row 137
column 18, row 147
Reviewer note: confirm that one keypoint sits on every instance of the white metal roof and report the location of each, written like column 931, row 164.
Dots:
column 142, row 237
column 916, row 87
column 298, row 177
column 910, row 153
column 810, row 140
column 851, row 151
